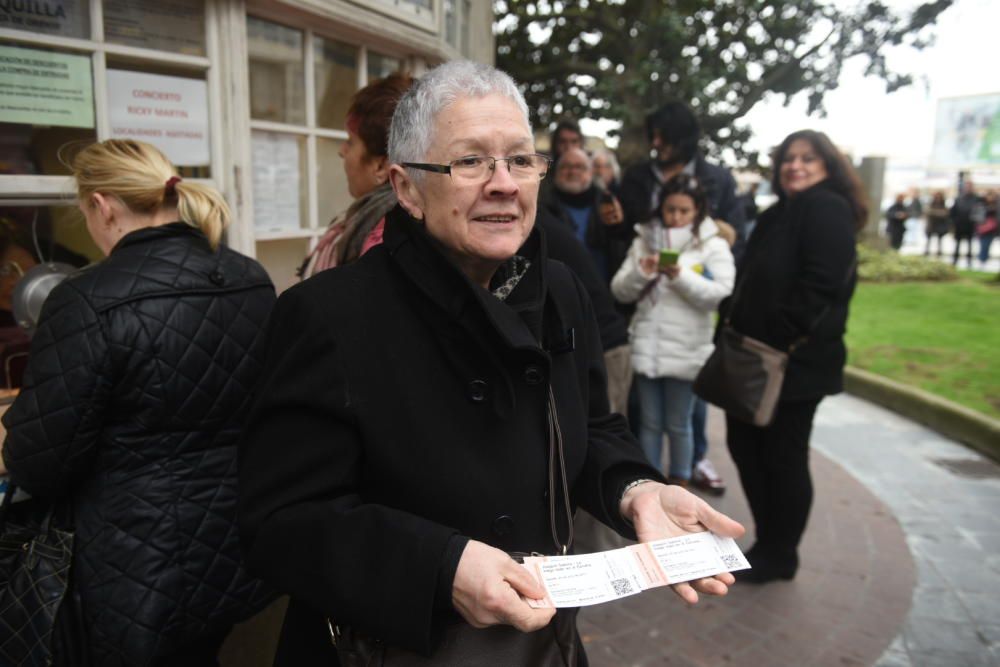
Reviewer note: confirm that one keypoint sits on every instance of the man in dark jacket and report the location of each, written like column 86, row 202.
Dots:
column 576, row 200
column 673, row 133
column 967, row 212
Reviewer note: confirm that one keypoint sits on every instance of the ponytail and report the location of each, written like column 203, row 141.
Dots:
column 203, row 207
column 144, row 180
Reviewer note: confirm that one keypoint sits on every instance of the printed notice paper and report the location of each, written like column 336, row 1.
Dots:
column 576, row 581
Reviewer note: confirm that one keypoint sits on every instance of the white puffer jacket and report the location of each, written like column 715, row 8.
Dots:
column 672, row 328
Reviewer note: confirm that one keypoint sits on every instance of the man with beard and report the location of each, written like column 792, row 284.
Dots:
column 673, row 133
column 577, row 201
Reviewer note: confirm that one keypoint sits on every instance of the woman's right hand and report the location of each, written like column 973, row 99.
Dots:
column 649, row 265
column 488, row 590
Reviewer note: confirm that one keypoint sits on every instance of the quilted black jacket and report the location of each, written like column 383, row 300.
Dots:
column 135, row 394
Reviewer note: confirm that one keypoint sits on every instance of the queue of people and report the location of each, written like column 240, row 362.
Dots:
column 384, row 467
column 971, row 217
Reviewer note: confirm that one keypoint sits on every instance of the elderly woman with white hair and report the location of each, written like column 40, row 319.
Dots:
column 439, row 406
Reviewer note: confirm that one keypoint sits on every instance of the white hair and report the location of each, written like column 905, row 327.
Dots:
column 609, row 155
column 412, row 129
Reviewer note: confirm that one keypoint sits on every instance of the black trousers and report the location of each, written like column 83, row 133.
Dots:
column 773, row 463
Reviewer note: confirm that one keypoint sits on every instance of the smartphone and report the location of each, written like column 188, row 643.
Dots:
column 668, row 258
column 605, row 197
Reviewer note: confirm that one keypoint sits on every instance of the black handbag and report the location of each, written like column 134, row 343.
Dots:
column 743, row 375
column 465, row 646
column 39, row 623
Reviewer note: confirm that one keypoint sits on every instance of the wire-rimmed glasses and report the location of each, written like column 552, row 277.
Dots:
column 479, row 168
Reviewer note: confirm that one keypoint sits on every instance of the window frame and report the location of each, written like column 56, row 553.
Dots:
column 49, row 190
column 310, row 130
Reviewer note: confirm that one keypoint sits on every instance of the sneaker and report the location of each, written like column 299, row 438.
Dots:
column 707, row 479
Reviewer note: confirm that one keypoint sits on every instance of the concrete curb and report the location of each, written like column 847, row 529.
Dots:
column 972, row 428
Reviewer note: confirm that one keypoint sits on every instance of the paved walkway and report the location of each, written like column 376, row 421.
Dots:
column 900, row 564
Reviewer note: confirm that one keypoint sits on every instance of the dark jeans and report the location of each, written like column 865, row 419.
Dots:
column 773, row 463
column 897, row 229
column 698, row 417
column 985, row 241
column 959, row 237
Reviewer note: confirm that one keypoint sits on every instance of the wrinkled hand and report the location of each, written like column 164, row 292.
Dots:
column 659, row 511
column 488, row 588
column 610, row 213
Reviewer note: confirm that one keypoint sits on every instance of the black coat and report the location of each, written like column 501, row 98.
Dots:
column 639, row 183
column 135, row 394
column 796, row 280
column 563, row 245
column 403, row 412
column 610, row 242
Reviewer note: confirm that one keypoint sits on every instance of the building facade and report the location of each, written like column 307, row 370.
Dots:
column 249, row 95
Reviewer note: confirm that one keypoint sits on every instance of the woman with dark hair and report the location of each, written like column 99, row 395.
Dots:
column 672, row 327
column 792, row 292
column 366, row 164
column 938, row 222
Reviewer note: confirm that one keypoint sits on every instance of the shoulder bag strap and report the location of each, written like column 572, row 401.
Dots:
column 8, row 498
column 557, row 459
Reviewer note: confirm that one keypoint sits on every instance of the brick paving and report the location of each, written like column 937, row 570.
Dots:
column 899, row 564
column 844, row 608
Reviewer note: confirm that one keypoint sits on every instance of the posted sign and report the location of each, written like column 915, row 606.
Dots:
column 44, row 88
column 169, row 112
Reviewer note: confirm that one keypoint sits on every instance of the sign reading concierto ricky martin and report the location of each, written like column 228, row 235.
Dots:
column 45, row 88
column 170, row 112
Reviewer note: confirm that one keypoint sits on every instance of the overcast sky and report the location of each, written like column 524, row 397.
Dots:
column 864, row 120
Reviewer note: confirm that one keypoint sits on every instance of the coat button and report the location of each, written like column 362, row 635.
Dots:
column 477, row 391
column 533, row 375
column 217, row 278
column 502, row 525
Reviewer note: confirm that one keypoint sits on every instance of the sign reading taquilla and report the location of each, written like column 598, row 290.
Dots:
column 55, row 17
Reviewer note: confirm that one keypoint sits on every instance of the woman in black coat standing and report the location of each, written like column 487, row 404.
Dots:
column 453, row 411
column 136, row 391
column 792, row 291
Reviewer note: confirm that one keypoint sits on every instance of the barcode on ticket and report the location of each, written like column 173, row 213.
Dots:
column 731, row 561
column 622, row 586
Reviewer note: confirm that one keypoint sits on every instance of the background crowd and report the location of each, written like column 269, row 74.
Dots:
column 971, row 217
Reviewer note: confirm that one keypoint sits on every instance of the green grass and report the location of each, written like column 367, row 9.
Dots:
column 943, row 337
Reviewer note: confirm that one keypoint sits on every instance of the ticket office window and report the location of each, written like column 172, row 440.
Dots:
column 29, row 236
column 89, row 70
column 300, row 85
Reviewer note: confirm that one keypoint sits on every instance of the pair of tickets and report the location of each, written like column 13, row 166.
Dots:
column 577, row 581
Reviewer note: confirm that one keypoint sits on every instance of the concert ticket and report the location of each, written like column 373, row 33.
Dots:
column 576, row 581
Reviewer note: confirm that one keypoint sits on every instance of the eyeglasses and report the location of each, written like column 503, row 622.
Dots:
column 479, row 168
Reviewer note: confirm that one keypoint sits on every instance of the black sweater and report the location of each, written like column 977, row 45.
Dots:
column 795, row 282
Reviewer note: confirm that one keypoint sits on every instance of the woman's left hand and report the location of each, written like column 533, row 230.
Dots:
column 671, row 271
column 659, row 511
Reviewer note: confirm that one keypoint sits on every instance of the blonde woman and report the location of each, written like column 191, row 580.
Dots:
column 134, row 397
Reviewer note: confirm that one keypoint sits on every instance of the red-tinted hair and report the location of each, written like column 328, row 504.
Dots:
column 372, row 108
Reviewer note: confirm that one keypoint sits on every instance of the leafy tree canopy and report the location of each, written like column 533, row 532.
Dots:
column 618, row 59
